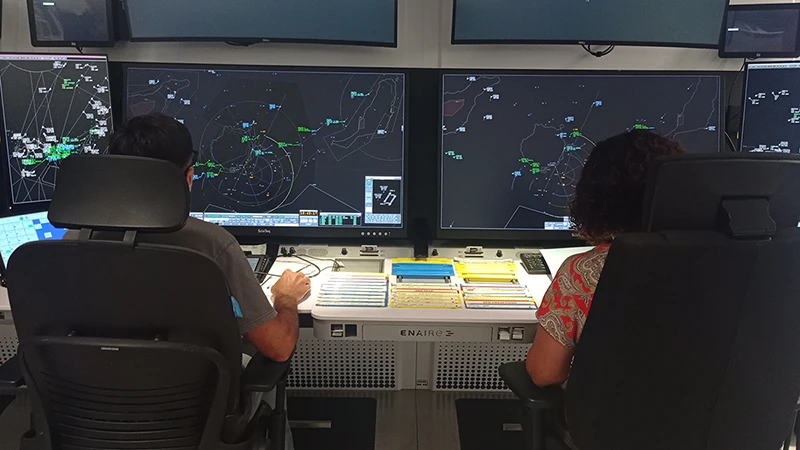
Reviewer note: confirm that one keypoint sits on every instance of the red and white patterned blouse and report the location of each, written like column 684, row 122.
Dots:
column 566, row 304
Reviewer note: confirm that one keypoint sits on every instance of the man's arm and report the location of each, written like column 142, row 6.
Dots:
column 277, row 338
column 272, row 329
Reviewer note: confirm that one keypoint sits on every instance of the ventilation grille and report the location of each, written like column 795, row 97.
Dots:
column 350, row 365
column 472, row 366
column 8, row 342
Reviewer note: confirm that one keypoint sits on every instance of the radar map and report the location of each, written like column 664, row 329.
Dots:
column 513, row 146
column 285, row 148
column 771, row 113
column 53, row 107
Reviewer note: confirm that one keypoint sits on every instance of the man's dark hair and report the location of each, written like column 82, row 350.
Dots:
column 608, row 198
column 155, row 136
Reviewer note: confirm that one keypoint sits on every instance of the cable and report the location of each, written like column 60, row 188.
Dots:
column 733, row 87
column 598, row 54
column 336, row 264
column 730, row 141
column 319, row 271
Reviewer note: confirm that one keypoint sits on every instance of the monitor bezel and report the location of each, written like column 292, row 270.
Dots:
column 745, row 82
column 98, row 44
column 456, row 41
column 8, row 206
column 537, row 235
column 261, row 39
column 758, row 7
column 362, row 232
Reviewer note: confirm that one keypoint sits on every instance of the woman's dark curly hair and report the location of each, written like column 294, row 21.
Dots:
column 608, row 198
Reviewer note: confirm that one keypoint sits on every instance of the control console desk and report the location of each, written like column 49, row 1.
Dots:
column 414, row 324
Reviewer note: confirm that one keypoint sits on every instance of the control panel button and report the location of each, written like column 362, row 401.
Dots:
column 517, row 334
column 504, row 334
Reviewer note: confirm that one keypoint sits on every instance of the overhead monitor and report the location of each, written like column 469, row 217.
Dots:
column 513, row 145
column 771, row 110
column 53, row 106
column 677, row 23
column 761, row 31
column 18, row 230
column 71, row 23
column 356, row 22
column 301, row 152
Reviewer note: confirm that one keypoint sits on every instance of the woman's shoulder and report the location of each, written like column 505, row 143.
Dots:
column 585, row 266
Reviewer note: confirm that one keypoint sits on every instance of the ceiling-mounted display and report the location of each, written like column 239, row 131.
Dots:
column 678, row 23
column 354, row 22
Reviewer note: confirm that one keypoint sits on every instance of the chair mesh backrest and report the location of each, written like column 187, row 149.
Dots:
column 693, row 343
column 118, row 397
column 143, row 413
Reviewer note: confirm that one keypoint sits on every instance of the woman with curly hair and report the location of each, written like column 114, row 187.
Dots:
column 608, row 201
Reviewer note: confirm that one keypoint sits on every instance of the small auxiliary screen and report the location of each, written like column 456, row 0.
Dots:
column 514, row 145
column 18, row 230
column 70, row 23
column 287, row 151
column 761, row 31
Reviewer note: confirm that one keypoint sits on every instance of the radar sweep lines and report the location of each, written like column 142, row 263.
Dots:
column 280, row 142
column 514, row 145
column 52, row 108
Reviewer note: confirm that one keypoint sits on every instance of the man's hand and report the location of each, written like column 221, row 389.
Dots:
column 292, row 287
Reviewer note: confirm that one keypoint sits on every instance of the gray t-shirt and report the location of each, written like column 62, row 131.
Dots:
column 250, row 305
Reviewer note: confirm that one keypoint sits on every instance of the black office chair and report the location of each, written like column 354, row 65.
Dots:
column 693, row 339
column 127, row 345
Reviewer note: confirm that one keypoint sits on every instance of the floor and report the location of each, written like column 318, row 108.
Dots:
column 420, row 420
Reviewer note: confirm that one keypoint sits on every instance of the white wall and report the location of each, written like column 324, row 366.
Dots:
column 423, row 41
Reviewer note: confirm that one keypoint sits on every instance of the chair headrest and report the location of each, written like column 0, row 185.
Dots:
column 119, row 193
column 745, row 194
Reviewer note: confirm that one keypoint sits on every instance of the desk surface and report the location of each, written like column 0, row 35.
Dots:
column 537, row 284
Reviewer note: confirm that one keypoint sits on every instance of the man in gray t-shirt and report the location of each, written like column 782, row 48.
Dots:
column 272, row 329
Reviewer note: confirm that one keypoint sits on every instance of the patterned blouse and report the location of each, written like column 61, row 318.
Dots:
column 566, row 304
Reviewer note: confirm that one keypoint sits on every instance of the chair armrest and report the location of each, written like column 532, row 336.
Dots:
column 263, row 374
column 517, row 379
column 11, row 375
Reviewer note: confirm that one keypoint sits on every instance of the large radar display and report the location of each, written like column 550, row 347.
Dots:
column 53, row 107
column 285, row 148
column 514, row 146
column 771, row 113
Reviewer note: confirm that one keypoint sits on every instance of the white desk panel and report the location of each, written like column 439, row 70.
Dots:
column 538, row 284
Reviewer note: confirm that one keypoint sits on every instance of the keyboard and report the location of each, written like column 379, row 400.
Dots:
column 534, row 263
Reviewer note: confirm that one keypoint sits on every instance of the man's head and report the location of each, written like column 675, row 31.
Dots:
column 608, row 198
column 156, row 136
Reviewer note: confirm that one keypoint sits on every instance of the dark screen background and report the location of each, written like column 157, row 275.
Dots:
column 773, row 30
column 371, row 21
column 768, row 120
column 281, row 141
column 514, row 146
column 688, row 22
column 71, row 20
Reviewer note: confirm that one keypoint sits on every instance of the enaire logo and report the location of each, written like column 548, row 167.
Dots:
column 425, row 333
